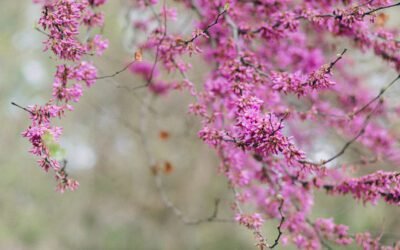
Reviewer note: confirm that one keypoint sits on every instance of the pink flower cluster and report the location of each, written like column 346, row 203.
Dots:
column 370, row 188
column 251, row 221
column 338, row 233
column 367, row 242
column 300, row 84
column 274, row 88
column 40, row 127
column 353, row 23
column 84, row 72
column 277, row 84
column 63, row 19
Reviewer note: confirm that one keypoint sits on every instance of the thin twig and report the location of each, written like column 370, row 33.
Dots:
column 348, row 144
column 41, row 31
column 205, row 31
column 381, row 8
column 319, row 235
column 151, row 161
column 211, row 218
column 302, row 17
column 156, row 59
column 328, row 69
column 381, row 92
column 332, row 64
column 115, row 73
column 23, row 108
column 279, row 227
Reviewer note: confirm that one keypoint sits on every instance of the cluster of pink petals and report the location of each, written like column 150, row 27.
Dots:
column 93, row 19
column 62, row 20
column 300, row 84
column 367, row 242
column 41, row 125
column 353, row 23
column 84, row 72
column 338, row 233
column 272, row 72
column 98, row 44
column 251, row 221
column 370, row 188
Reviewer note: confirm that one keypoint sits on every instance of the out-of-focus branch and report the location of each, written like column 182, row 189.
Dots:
column 163, row 36
column 23, row 108
column 332, row 64
column 115, row 73
column 381, row 8
column 262, row 242
column 151, row 161
column 326, row 245
column 347, row 144
column 329, row 15
column 205, row 31
column 159, row 182
column 381, row 92
column 212, row 218
column 279, row 227
column 266, row 75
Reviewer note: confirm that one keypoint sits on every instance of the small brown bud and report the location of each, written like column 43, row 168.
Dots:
column 168, row 168
column 381, row 19
column 138, row 55
column 164, row 135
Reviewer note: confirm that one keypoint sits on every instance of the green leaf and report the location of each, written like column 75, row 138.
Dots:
column 55, row 150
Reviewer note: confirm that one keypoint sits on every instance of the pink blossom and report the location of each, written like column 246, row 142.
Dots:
column 98, row 44
column 93, row 19
column 144, row 69
column 271, row 89
column 251, row 221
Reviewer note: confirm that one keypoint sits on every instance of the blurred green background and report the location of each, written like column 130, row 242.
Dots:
column 117, row 205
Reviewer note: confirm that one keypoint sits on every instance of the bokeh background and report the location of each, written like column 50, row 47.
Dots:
column 117, row 205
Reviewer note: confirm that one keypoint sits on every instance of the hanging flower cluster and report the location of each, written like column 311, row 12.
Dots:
column 62, row 21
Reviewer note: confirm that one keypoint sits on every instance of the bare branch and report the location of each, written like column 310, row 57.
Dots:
column 381, row 8
column 205, row 31
column 332, row 64
column 151, row 161
column 23, row 108
column 115, row 73
column 156, row 59
column 279, row 227
column 348, row 144
column 328, row 69
column 211, row 218
column 381, row 92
